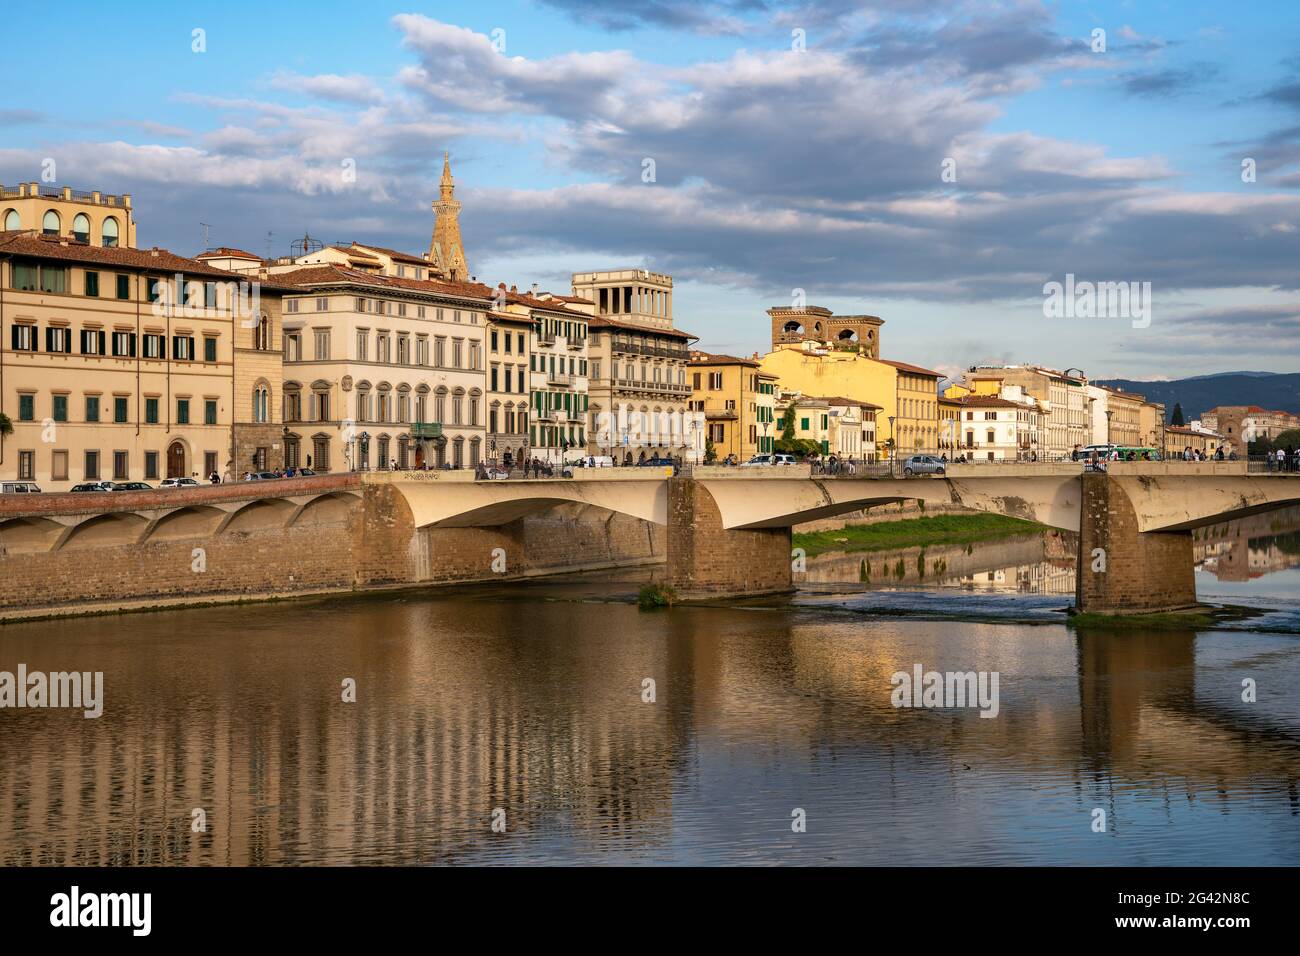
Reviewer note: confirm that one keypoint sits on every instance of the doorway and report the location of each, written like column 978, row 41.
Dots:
column 176, row 460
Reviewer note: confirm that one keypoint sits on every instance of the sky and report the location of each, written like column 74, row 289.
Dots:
column 932, row 162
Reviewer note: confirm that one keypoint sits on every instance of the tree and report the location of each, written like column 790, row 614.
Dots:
column 787, row 424
column 1287, row 439
column 1176, row 419
column 710, row 452
column 6, row 426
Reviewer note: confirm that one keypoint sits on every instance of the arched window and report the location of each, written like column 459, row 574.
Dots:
column 262, row 340
column 50, row 224
column 261, row 403
column 81, row 227
column 12, row 220
column 109, row 233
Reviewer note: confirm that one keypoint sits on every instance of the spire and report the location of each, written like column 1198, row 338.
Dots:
column 445, row 245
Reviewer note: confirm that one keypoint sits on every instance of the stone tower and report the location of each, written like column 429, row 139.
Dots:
column 795, row 325
column 445, row 249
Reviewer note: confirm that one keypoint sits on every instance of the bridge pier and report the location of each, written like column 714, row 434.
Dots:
column 707, row 560
column 1122, row 570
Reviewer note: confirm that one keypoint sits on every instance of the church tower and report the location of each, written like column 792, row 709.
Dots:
column 445, row 248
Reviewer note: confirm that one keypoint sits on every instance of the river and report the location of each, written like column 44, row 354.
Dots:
column 768, row 734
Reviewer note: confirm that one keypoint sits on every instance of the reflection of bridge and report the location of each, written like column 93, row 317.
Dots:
column 728, row 529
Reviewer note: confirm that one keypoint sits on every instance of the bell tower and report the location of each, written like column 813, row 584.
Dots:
column 445, row 248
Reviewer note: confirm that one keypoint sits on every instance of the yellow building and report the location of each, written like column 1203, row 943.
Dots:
column 817, row 353
column 730, row 392
column 87, row 218
column 120, row 364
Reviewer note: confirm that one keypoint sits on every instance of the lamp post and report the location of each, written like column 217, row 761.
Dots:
column 891, row 445
column 364, row 438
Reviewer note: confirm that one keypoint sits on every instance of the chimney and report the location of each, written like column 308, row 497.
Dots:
column 534, row 288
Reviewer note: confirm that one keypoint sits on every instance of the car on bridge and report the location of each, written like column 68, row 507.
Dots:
column 178, row 483
column 759, row 461
column 924, row 465
column 19, row 488
column 131, row 486
column 93, row 486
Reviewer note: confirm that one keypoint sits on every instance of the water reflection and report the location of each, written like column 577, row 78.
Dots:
column 528, row 701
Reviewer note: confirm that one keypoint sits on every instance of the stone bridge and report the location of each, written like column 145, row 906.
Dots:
column 728, row 529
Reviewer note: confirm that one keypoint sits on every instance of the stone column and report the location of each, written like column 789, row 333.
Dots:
column 1122, row 570
column 706, row 560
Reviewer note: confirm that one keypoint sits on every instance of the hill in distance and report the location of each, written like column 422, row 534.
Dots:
column 1202, row 392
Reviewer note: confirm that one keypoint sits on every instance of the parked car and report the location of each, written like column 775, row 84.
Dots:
column 759, row 461
column 131, row 486
column 657, row 463
column 19, row 488
column 594, row 461
column 178, row 483
column 266, row 476
column 305, row 473
column 93, row 486
column 924, row 465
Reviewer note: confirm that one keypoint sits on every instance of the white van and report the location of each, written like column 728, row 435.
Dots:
column 593, row 461
column 19, row 488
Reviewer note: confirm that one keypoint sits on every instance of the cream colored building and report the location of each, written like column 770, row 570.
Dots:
column 383, row 371
column 125, row 364
column 1061, row 395
column 509, row 394
column 729, row 392
column 638, row 363
column 994, row 428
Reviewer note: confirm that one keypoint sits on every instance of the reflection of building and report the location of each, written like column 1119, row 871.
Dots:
column 1249, row 547
column 113, row 371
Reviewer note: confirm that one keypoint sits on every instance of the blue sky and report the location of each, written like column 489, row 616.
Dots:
column 776, row 168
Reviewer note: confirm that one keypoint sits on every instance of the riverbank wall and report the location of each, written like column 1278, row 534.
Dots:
column 93, row 553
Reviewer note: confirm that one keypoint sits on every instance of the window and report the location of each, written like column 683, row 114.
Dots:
column 291, row 305
column 439, row 351
column 261, row 404
column 153, row 289
column 12, row 220
column 210, row 461
column 262, row 341
column 121, row 466
column 715, row 382
column 92, row 341
column 151, row 411
column 323, row 304
column 92, row 408
column 90, row 471
column 363, row 339
column 92, row 283
column 150, row 465
column 24, row 338
column 59, row 465
column 293, row 347
column 54, row 279
column 183, row 348
column 154, row 346
column 123, row 344
column 50, row 224
column 27, row 408
column 209, row 411
column 81, row 227
column 60, row 408
column 322, row 343
column 209, row 348
column 119, row 410
column 123, row 287
column 182, row 411
column 109, row 233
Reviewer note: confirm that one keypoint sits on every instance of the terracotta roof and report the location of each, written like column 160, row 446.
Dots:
column 513, row 295
column 839, row 400
column 708, row 358
column 915, row 369
column 1184, row 430
column 316, row 275
column 28, row 243
column 392, row 253
column 226, row 252
column 603, row 322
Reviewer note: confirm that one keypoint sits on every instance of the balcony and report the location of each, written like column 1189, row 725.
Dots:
column 577, row 344
column 545, row 338
column 426, row 429
column 559, row 378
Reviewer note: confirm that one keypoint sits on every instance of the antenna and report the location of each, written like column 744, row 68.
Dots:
column 305, row 245
column 269, row 236
column 206, row 227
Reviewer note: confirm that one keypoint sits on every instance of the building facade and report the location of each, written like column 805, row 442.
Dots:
column 731, row 394
column 121, row 364
column 999, row 429
column 509, row 334
column 1060, row 395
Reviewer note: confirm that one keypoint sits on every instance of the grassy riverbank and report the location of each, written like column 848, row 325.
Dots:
column 914, row 532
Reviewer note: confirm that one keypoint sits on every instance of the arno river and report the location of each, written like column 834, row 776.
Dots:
column 528, row 706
